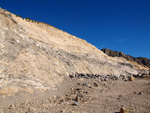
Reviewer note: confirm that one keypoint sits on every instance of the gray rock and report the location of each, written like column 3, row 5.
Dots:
column 141, row 93
column 75, row 103
column 106, row 79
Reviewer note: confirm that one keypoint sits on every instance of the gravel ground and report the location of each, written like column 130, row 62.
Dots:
column 79, row 95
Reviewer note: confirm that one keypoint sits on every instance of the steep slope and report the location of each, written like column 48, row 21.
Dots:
column 140, row 60
column 36, row 56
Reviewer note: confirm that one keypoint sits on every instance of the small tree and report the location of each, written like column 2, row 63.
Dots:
column 28, row 18
column 18, row 16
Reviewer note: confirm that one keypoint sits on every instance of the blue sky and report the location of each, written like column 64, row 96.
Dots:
column 120, row 25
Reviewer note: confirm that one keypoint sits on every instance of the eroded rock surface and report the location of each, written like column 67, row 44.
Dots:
column 37, row 57
column 140, row 60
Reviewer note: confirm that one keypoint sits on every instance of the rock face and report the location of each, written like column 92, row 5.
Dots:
column 37, row 56
column 140, row 60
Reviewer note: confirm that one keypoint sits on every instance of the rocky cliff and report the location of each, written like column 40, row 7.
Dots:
column 37, row 56
column 140, row 60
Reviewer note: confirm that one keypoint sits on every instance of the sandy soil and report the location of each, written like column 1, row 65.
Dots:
column 84, row 96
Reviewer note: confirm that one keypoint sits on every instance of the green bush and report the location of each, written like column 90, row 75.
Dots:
column 18, row 16
column 28, row 18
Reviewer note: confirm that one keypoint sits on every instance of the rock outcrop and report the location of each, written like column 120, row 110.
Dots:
column 140, row 60
column 37, row 56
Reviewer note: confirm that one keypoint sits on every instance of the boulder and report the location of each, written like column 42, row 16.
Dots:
column 131, row 78
column 123, row 110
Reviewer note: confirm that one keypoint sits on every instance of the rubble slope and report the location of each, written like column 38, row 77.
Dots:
column 37, row 56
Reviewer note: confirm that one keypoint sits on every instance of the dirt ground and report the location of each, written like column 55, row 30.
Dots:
column 83, row 96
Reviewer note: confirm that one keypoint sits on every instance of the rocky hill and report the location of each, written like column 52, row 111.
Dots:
column 38, row 59
column 140, row 60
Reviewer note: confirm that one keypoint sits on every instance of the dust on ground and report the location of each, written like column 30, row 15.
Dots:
column 84, row 96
